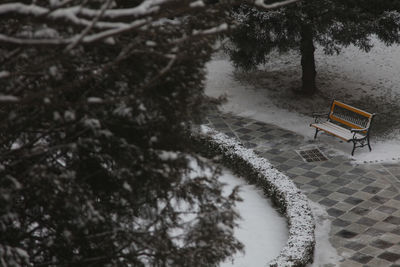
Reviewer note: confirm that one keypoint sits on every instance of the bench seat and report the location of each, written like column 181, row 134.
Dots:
column 336, row 130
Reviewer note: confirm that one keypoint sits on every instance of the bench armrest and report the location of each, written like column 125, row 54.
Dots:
column 320, row 115
column 359, row 130
column 317, row 116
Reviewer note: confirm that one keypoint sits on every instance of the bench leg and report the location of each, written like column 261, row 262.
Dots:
column 354, row 148
column 369, row 146
column 316, row 132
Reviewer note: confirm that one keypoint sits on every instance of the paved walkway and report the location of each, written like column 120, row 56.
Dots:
column 363, row 201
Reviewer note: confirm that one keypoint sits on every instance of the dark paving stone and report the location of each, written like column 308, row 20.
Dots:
column 351, row 177
column 274, row 151
column 386, row 209
column 347, row 191
column 311, row 174
column 340, row 181
column 283, row 167
column 316, row 183
column 246, row 137
column 346, row 234
column 335, row 212
column 374, row 232
column 239, row 123
column 334, row 173
column 221, row 126
column 357, row 171
column 292, row 175
column 366, row 180
column 360, row 211
column 378, row 199
column 361, row 258
column 389, row 256
column 382, row 244
column 396, row 231
column 367, row 221
column 306, row 166
column 264, row 129
column 372, row 189
column 322, row 192
column 397, row 197
column 266, row 137
column 393, row 220
column 279, row 159
column 353, row 200
column 328, row 202
column 329, row 164
column 243, row 130
column 354, row 246
column 340, row 222
column 288, row 135
column 250, row 145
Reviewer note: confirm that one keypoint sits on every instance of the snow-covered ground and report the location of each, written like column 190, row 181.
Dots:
column 369, row 81
column 262, row 229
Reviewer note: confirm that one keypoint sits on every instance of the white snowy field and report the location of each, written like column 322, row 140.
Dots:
column 262, row 230
column 367, row 80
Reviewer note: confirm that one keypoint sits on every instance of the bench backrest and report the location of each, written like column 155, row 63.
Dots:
column 350, row 116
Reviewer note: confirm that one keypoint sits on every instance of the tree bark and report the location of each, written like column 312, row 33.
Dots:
column 307, row 60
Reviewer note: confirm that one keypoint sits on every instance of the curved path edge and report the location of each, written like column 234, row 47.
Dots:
column 292, row 203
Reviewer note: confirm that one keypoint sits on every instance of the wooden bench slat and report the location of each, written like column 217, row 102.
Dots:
column 351, row 108
column 336, row 130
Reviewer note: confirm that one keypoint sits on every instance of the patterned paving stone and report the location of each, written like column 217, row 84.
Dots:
column 389, row 256
column 363, row 201
column 381, row 244
column 386, row 209
column 367, row 221
column 346, row 191
column 361, row 258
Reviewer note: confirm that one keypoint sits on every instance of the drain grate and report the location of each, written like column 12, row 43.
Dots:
column 312, row 155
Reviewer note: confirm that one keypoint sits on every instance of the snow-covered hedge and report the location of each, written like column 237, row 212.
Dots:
column 293, row 204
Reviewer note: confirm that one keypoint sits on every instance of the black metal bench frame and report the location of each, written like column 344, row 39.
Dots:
column 346, row 122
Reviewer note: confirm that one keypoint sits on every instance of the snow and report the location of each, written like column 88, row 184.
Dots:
column 4, row 74
column 262, row 230
column 266, row 94
column 351, row 75
column 94, row 100
column 8, row 98
column 324, row 254
column 277, row 185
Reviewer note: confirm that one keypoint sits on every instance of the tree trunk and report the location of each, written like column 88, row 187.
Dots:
column 307, row 60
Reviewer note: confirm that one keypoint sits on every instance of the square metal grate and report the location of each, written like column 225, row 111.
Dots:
column 312, row 155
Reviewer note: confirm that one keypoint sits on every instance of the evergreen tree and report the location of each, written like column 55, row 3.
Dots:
column 97, row 99
column 330, row 23
column 94, row 155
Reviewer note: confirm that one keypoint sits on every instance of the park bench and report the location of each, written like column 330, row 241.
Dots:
column 346, row 122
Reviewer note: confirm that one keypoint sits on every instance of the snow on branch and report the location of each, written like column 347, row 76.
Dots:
column 263, row 5
column 105, row 21
column 8, row 99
